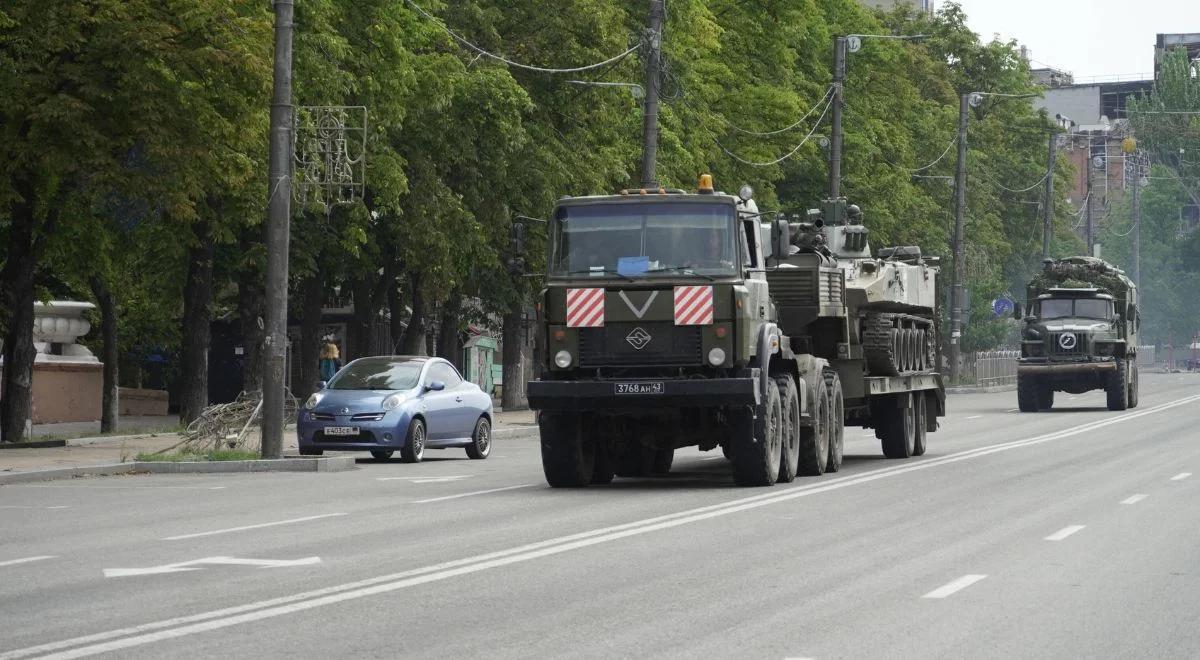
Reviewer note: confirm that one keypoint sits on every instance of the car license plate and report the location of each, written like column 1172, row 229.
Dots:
column 341, row 430
column 639, row 388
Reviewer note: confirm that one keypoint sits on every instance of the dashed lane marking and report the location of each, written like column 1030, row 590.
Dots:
column 246, row 527
column 471, row 494
column 1134, row 499
column 1181, row 476
column 1064, row 532
column 25, row 560
column 954, row 587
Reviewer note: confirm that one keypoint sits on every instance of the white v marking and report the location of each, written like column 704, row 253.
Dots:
column 639, row 312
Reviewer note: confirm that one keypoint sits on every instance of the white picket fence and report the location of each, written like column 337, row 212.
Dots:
column 995, row 368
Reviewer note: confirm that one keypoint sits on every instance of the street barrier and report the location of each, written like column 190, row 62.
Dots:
column 993, row 368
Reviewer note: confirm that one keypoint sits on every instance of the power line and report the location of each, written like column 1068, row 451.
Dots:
column 828, row 91
column 953, row 141
column 462, row 40
column 1027, row 189
column 789, row 154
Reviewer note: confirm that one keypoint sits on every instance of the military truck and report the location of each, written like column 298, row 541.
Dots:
column 660, row 327
column 1080, row 334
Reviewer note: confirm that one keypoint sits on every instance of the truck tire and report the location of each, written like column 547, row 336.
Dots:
column 897, row 421
column 837, row 421
column 814, row 439
column 568, row 458
column 1117, row 388
column 1133, row 386
column 663, row 458
column 756, row 448
column 1027, row 393
column 920, row 409
column 602, row 465
column 789, row 399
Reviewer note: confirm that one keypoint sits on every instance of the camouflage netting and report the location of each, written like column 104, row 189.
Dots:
column 1082, row 273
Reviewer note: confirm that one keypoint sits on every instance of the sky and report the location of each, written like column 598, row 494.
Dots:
column 1084, row 37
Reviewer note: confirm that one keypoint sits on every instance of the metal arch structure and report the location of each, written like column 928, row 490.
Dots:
column 329, row 147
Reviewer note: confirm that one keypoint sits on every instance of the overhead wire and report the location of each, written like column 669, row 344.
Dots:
column 789, row 154
column 739, row 129
column 953, row 141
column 538, row 69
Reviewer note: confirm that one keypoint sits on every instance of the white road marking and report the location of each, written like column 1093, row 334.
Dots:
column 1064, row 532
column 121, row 487
column 712, row 458
column 1181, row 476
column 15, row 506
column 478, row 492
column 245, row 527
column 1134, row 499
column 975, row 416
column 194, row 565
column 147, row 633
column 954, row 587
column 425, row 480
column 25, row 560
column 1013, row 410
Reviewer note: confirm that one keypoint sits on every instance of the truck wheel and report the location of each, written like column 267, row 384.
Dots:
column 837, row 421
column 898, row 426
column 789, row 429
column 814, row 439
column 1133, row 387
column 602, row 465
column 757, row 443
column 1045, row 397
column 1117, row 388
column 568, row 458
column 663, row 458
column 1027, row 393
column 920, row 409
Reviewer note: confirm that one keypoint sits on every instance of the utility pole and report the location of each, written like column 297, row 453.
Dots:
column 1137, row 227
column 658, row 15
column 960, row 205
column 1048, row 210
column 1089, row 230
column 279, row 199
column 835, row 139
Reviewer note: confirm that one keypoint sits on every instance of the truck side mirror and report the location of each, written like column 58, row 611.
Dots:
column 1030, row 318
column 781, row 238
column 1018, row 311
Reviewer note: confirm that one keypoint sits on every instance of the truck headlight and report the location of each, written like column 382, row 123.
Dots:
column 716, row 357
column 562, row 359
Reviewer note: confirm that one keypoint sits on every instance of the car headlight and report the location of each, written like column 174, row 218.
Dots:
column 312, row 401
column 562, row 359
column 393, row 401
column 716, row 357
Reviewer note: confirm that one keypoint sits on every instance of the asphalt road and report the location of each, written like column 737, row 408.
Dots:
column 1074, row 533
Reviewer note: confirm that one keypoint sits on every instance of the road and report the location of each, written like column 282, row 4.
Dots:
column 1073, row 533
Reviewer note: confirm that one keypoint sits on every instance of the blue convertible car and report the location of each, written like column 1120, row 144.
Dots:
column 384, row 404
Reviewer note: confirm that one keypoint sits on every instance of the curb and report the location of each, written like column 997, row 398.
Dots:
column 36, row 444
column 516, row 429
column 981, row 390
column 330, row 464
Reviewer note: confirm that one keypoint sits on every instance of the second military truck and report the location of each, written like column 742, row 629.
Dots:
column 673, row 319
column 1080, row 334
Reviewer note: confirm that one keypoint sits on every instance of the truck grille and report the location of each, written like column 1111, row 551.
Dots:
column 1055, row 346
column 793, row 286
column 668, row 345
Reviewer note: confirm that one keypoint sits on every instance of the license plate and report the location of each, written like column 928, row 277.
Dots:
column 639, row 388
column 341, row 430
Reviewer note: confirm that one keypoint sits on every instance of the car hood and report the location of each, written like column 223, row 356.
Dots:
column 349, row 402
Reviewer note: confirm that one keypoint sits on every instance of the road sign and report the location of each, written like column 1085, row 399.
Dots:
column 1002, row 307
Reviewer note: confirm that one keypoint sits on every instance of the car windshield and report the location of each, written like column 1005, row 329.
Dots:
column 377, row 375
column 1088, row 308
column 645, row 240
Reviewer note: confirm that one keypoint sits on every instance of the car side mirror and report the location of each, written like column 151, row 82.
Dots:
column 321, row 385
column 435, row 386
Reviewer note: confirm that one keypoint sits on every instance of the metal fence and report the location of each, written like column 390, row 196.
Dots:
column 995, row 367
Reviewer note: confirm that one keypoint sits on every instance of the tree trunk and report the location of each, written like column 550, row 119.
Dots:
column 250, row 315
column 16, row 289
column 516, row 362
column 450, row 343
column 396, row 310
column 313, row 290
column 358, row 330
column 196, row 330
column 108, row 353
column 414, row 337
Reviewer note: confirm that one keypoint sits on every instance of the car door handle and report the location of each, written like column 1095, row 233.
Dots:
column 458, row 399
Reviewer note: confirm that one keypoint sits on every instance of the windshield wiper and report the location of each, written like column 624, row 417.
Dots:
column 606, row 271
column 681, row 269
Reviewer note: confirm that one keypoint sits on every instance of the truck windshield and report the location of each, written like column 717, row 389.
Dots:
column 1087, row 308
column 645, row 239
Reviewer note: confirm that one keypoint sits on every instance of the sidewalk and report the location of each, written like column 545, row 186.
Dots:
column 125, row 426
column 102, row 450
